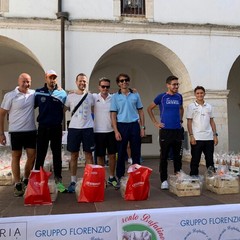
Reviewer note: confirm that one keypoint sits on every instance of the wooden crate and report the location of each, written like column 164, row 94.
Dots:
column 6, row 177
column 184, row 188
column 223, row 184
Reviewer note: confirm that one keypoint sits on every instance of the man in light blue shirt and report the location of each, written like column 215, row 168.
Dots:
column 128, row 122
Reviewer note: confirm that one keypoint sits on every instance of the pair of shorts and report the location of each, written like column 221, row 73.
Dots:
column 77, row 136
column 20, row 140
column 105, row 141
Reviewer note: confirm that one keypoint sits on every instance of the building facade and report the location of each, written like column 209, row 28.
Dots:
column 149, row 39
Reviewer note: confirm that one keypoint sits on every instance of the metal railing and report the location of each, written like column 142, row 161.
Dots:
column 133, row 8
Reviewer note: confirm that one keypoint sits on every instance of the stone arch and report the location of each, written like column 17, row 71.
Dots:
column 14, row 59
column 233, row 105
column 149, row 64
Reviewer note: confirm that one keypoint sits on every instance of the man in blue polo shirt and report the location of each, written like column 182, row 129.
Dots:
column 170, row 127
column 50, row 101
column 128, row 122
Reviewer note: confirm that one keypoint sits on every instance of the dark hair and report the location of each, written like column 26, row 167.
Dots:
column 103, row 79
column 122, row 75
column 199, row 88
column 81, row 74
column 170, row 78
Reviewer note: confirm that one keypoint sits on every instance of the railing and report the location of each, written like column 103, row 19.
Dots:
column 133, row 8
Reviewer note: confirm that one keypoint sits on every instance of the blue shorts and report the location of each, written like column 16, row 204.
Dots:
column 77, row 136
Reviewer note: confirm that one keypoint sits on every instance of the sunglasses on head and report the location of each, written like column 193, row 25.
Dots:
column 124, row 80
column 103, row 86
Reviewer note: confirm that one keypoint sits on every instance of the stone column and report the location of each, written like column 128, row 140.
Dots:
column 218, row 99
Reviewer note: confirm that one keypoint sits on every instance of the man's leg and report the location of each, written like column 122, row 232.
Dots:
column 123, row 128
column 56, row 147
column 135, row 143
column 164, row 152
column 16, row 155
column 196, row 152
column 89, row 157
column 42, row 146
column 112, row 164
column 31, row 154
column 208, row 150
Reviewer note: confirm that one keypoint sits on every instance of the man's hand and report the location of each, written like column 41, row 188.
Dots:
column 3, row 139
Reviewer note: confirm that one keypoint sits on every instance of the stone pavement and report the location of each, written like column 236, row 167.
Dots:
column 66, row 203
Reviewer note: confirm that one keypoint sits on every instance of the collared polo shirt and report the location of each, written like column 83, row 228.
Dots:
column 102, row 118
column 21, row 110
column 126, row 106
column 200, row 115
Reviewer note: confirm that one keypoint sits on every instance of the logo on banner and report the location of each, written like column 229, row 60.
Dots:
column 230, row 233
column 141, row 227
column 13, row 230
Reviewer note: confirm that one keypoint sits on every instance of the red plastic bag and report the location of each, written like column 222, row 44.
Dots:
column 138, row 186
column 92, row 189
column 37, row 192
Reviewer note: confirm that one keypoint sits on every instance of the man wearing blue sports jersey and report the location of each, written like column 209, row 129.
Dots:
column 170, row 127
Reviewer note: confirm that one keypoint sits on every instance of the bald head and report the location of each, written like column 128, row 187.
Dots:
column 24, row 82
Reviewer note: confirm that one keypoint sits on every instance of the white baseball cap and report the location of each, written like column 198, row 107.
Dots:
column 50, row 73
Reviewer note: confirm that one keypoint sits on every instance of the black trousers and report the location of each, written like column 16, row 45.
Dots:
column 206, row 147
column 54, row 136
column 170, row 139
column 130, row 132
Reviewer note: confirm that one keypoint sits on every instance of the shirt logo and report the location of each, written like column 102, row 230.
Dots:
column 171, row 101
column 43, row 99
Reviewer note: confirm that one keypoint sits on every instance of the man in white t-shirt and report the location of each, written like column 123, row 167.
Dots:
column 202, row 131
column 104, row 135
column 19, row 105
column 80, row 128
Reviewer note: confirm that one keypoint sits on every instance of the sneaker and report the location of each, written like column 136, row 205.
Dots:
column 61, row 188
column 71, row 187
column 18, row 190
column 164, row 185
column 130, row 161
column 25, row 183
column 114, row 182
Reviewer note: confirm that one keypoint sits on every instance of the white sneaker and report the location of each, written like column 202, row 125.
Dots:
column 130, row 160
column 164, row 185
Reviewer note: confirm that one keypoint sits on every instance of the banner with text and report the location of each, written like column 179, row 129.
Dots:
column 218, row 222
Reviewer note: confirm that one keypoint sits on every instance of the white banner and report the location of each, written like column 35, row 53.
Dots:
column 219, row 222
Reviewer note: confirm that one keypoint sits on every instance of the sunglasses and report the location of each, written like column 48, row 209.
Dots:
column 124, row 80
column 103, row 86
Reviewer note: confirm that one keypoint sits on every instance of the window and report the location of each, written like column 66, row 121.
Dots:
column 132, row 7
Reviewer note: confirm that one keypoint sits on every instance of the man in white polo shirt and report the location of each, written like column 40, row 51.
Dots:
column 103, row 130
column 19, row 104
column 202, row 130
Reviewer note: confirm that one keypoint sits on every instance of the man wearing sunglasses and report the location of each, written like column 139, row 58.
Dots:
column 128, row 122
column 103, row 130
column 170, row 127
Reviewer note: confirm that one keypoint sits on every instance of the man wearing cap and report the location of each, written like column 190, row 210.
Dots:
column 19, row 105
column 50, row 101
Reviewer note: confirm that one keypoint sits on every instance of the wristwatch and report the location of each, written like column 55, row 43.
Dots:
column 143, row 127
column 215, row 134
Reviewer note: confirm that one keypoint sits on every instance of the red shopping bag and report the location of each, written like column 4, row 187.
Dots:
column 92, row 189
column 37, row 192
column 138, row 186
